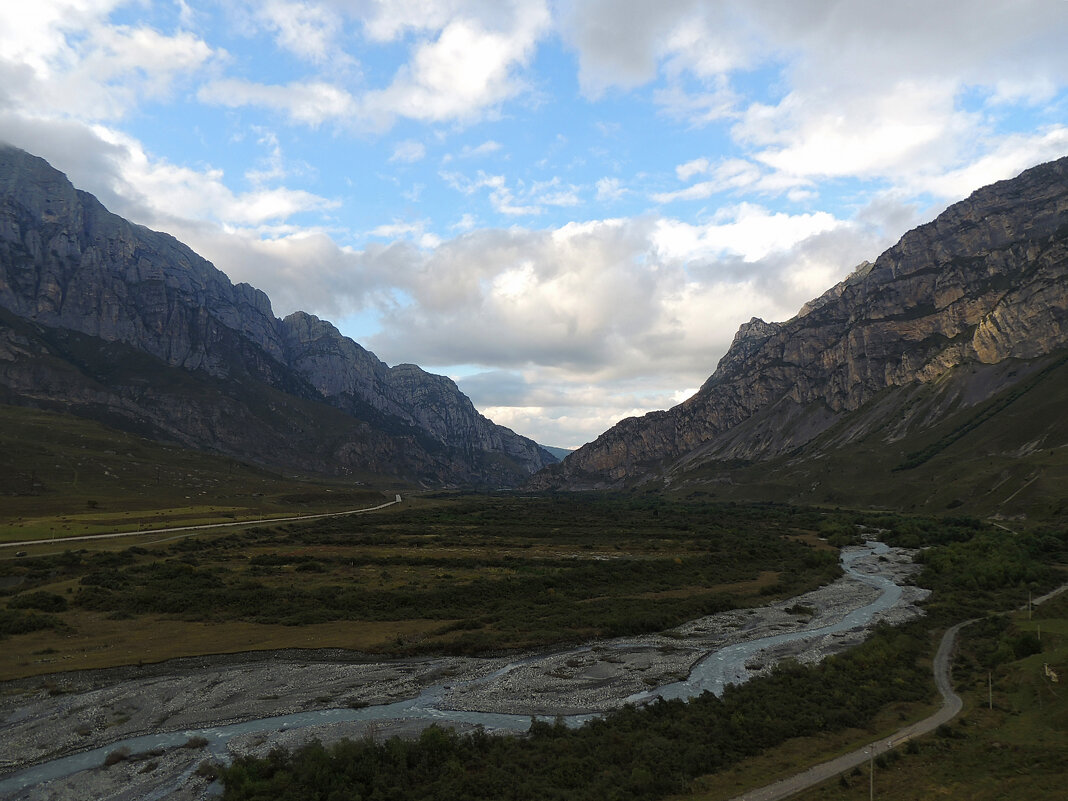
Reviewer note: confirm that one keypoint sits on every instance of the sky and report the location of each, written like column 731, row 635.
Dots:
column 567, row 206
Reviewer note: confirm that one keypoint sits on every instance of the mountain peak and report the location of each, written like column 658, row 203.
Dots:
column 986, row 281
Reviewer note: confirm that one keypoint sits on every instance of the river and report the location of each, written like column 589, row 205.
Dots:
column 712, row 673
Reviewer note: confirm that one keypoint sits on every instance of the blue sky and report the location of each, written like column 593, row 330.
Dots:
column 569, row 207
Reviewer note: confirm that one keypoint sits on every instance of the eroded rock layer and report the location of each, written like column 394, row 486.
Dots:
column 985, row 282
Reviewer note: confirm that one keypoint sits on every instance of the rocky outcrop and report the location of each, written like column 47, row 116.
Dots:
column 351, row 377
column 984, row 282
column 69, row 265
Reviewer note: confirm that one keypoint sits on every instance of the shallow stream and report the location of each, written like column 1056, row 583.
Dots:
column 726, row 665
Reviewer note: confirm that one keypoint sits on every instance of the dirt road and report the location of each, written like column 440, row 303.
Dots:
column 951, row 706
column 203, row 527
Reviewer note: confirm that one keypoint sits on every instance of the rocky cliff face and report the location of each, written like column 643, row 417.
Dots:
column 984, row 282
column 69, row 265
column 351, row 377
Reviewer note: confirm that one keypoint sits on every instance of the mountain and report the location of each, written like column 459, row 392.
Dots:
column 113, row 321
column 961, row 319
column 559, row 453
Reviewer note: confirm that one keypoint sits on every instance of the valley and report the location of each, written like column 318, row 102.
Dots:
column 697, row 602
column 535, row 573
column 196, row 697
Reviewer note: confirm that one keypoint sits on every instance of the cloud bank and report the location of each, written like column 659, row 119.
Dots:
column 570, row 207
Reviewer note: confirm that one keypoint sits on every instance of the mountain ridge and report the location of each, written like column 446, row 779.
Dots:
column 68, row 264
column 985, row 281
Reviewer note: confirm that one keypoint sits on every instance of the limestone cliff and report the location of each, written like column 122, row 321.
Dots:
column 986, row 281
column 293, row 392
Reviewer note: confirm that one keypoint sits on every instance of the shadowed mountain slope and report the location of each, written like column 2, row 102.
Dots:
column 113, row 321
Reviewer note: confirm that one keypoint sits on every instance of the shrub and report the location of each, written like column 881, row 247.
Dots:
column 41, row 601
column 15, row 622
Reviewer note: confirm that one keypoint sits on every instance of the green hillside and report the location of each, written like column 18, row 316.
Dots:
column 63, row 476
column 1004, row 458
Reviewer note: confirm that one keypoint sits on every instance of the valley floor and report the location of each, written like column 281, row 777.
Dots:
column 46, row 718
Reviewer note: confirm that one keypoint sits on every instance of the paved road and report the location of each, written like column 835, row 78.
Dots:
column 951, row 706
column 176, row 529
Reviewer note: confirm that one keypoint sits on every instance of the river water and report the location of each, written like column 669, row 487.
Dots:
column 712, row 673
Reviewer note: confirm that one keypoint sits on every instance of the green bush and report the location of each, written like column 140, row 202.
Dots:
column 18, row 622
column 41, row 601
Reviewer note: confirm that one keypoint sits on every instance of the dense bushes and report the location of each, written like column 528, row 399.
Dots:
column 41, row 601
column 516, row 566
column 16, row 622
column 658, row 750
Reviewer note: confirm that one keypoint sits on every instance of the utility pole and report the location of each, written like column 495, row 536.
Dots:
column 990, row 690
column 871, row 773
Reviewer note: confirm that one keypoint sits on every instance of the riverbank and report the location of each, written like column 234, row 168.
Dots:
column 42, row 720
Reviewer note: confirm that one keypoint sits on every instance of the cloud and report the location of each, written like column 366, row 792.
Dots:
column 464, row 73
column 501, row 196
column 408, row 152
column 1008, row 156
column 620, row 42
column 746, row 230
column 467, row 61
column 308, row 30
column 691, row 168
column 861, row 89
column 64, row 59
column 612, row 298
column 469, row 152
column 735, row 175
column 908, row 127
column 308, row 102
column 610, row 189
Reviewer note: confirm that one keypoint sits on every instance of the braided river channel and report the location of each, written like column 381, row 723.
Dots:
column 711, row 672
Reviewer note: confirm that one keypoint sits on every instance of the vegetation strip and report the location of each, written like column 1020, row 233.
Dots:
column 203, row 527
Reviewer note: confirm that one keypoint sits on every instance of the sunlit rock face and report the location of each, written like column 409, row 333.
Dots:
column 91, row 299
column 986, row 281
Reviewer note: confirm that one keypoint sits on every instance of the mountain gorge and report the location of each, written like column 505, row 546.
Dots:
column 961, row 312
column 110, row 320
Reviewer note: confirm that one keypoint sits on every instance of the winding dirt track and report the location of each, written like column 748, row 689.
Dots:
column 202, row 527
column 951, row 706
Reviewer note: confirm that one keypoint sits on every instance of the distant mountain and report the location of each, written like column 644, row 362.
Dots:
column 113, row 321
column 962, row 321
column 559, row 453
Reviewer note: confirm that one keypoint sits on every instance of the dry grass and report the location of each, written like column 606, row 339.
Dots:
column 99, row 642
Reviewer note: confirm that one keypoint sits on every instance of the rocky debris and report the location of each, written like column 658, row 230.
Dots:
column 46, row 717
column 985, row 282
column 175, row 774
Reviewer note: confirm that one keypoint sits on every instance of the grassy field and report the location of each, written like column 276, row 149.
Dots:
column 64, row 476
column 474, row 574
column 460, row 575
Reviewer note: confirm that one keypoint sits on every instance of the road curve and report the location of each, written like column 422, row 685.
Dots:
column 202, row 527
column 951, row 705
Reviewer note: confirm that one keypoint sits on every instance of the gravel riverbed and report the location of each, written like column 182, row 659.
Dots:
column 46, row 717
